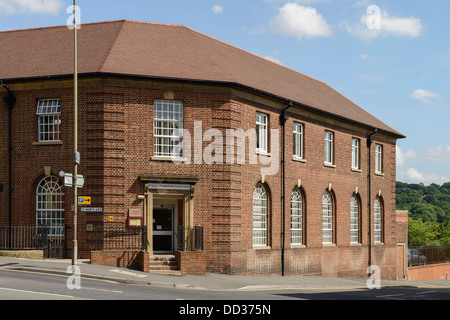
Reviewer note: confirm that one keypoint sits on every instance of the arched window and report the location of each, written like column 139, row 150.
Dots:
column 259, row 216
column 377, row 220
column 50, row 206
column 296, row 217
column 327, row 218
column 354, row 219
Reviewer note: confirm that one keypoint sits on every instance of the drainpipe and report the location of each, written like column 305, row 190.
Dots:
column 283, row 119
column 369, row 188
column 10, row 100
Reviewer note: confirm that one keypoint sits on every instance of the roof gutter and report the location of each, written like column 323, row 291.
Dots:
column 283, row 119
column 369, row 197
column 10, row 100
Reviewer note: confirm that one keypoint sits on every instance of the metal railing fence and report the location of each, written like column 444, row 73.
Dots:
column 190, row 239
column 49, row 239
column 428, row 255
column 120, row 237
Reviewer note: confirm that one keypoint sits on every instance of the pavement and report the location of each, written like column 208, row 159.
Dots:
column 210, row 281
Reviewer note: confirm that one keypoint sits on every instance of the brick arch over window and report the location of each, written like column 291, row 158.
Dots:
column 50, row 205
column 378, row 220
column 260, row 215
column 298, row 206
column 355, row 218
column 328, row 218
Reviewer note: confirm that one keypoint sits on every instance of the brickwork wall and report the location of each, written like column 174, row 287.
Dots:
column 439, row 271
column 4, row 161
column 116, row 143
column 25, row 254
column 402, row 227
column 192, row 262
column 132, row 259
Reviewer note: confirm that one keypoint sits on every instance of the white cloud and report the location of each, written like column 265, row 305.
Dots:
column 424, row 95
column 30, row 6
column 438, row 154
column 6, row 7
column 389, row 26
column 402, row 156
column 411, row 27
column 310, row 1
column 300, row 21
column 217, row 9
column 415, row 176
column 273, row 59
column 297, row 1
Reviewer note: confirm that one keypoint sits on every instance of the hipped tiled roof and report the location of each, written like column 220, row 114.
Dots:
column 166, row 51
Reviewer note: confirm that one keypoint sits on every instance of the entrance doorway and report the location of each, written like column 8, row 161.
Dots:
column 163, row 229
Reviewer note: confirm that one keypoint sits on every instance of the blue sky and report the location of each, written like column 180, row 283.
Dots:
column 398, row 70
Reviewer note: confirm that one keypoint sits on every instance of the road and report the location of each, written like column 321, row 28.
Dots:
column 22, row 285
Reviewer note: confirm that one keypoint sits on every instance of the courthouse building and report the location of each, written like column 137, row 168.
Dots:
column 275, row 171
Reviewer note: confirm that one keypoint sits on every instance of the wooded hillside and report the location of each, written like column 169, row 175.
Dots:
column 429, row 213
column 429, row 203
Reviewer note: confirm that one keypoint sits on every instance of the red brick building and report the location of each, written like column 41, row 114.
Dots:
column 274, row 165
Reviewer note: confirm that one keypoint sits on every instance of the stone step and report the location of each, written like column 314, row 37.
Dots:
column 163, row 267
column 163, row 263
column 162, row 258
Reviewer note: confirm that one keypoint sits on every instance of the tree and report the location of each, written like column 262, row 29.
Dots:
column 444, row 233
column 421, row 233
column 423, row 211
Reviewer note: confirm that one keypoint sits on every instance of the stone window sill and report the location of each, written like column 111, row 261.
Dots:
column 296, row 159
column 48, row 143
column 169, row 159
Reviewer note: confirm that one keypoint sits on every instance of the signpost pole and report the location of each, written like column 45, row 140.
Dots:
column 75, row 129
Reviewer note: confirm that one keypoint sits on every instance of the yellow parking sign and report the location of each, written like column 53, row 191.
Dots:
column 87, row 201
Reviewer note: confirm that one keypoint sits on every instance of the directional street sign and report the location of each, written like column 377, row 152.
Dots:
column 68, row 180
column 85, row 201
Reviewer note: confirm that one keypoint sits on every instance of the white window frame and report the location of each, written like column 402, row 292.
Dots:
column 260, row 214
column 378, row 158
column 329, row 148
column 377, row 221
column 262, row 123
column 354, row 219
column 49, row 120
column 50, row 206
column 168, row 129
column 298, row 140
column 296, row 217
column 327, row 218
column 356, row 143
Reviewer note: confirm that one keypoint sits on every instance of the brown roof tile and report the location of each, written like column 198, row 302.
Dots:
column 165, row 51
